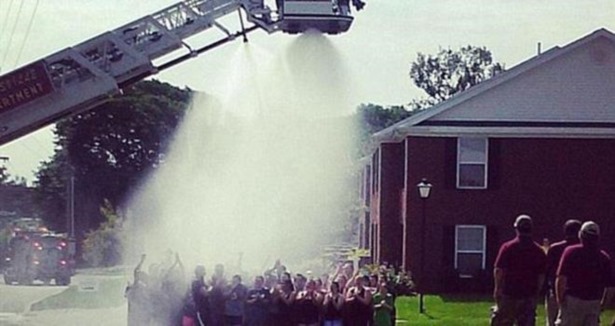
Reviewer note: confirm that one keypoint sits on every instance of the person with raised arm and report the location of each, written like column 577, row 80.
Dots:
column 308, row 303
column 359, row 303
column 383, row 306
column 234, row 304
column 257, row 303
column 216, row 296
column 332, row 305
column 137, row 294
column 196, row 304
column 284, row 298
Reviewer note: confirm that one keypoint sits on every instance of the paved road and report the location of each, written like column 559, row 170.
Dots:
column 15, row 301
column 64, row 317
column 17, row 298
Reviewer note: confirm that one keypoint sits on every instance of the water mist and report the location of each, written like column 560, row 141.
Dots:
column 260, row 173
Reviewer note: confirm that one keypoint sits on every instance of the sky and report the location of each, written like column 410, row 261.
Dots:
column 377, row 51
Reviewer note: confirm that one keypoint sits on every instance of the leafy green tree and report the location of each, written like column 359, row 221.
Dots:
column 441, row 76
column 126, row 135
column 375, row 117
column 50, row 186
column 109, row 150
column 7, row 179
column 448, row 72
column 103, row 247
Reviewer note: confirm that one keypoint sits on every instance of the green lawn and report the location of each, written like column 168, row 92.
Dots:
column 457, row 310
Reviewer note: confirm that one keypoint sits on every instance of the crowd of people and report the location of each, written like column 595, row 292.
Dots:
column 573, row 276
column 277, row 297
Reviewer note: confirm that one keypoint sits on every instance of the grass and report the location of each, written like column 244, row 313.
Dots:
column 109, row 294
column 449, row 310
column 458, row 310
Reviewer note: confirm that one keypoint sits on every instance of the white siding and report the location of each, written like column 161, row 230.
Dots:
column 578, row 86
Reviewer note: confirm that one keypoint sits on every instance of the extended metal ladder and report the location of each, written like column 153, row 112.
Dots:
column 80, row 77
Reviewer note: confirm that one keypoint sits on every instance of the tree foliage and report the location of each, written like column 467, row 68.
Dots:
column 440, row 75
column 448, row 72
column 375, row 117
column 126, row 135
column 7, row 179
column 109, row 150
column 50, row 190
column 103, row 246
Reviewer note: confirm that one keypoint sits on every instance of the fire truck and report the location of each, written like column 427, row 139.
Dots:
column 83, row 76
column 38, row 255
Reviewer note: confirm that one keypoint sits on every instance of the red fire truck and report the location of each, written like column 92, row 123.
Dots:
column 38, row 255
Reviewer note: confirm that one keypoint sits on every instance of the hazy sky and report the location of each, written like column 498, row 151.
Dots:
column 378, row 49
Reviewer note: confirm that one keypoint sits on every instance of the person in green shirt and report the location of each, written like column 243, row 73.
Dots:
column 383, row 306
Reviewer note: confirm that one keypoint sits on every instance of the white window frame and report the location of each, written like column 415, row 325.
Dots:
column 482, row 252
column 485, row 163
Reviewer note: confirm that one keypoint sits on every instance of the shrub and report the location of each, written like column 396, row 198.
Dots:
column 103, row 246
column 399, row 282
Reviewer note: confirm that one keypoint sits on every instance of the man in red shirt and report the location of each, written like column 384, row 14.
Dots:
column 582, row 277
column 554, row 254
column 519, row 273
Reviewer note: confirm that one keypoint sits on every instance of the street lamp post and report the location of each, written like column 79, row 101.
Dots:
column 424, row 188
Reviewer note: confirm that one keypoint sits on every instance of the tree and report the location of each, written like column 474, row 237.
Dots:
column 126, row 135
column 448, row 72
column 375, row 117
column 109, row 150
column 441, row 76
column 7, row 179
column 103, row 246
column 50, row 193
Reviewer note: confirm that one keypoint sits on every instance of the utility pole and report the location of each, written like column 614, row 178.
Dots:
column 71, row 206
column 70, row 212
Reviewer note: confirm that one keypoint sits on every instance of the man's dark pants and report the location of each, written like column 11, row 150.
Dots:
column 514, row 311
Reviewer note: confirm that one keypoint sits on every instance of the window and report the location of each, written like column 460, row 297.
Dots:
column 470, row 244
column 472, row 156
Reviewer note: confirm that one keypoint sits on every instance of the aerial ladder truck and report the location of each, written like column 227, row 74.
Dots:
column 81, row 77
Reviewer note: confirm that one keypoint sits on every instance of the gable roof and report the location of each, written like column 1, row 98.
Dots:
column 418, row 124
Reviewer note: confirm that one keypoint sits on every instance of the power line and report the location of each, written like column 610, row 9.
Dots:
column 6, row 17
column 4, row 23
column 25, row 39
column 12, row 33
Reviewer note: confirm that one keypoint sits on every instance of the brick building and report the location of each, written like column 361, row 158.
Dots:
column 536, row 139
